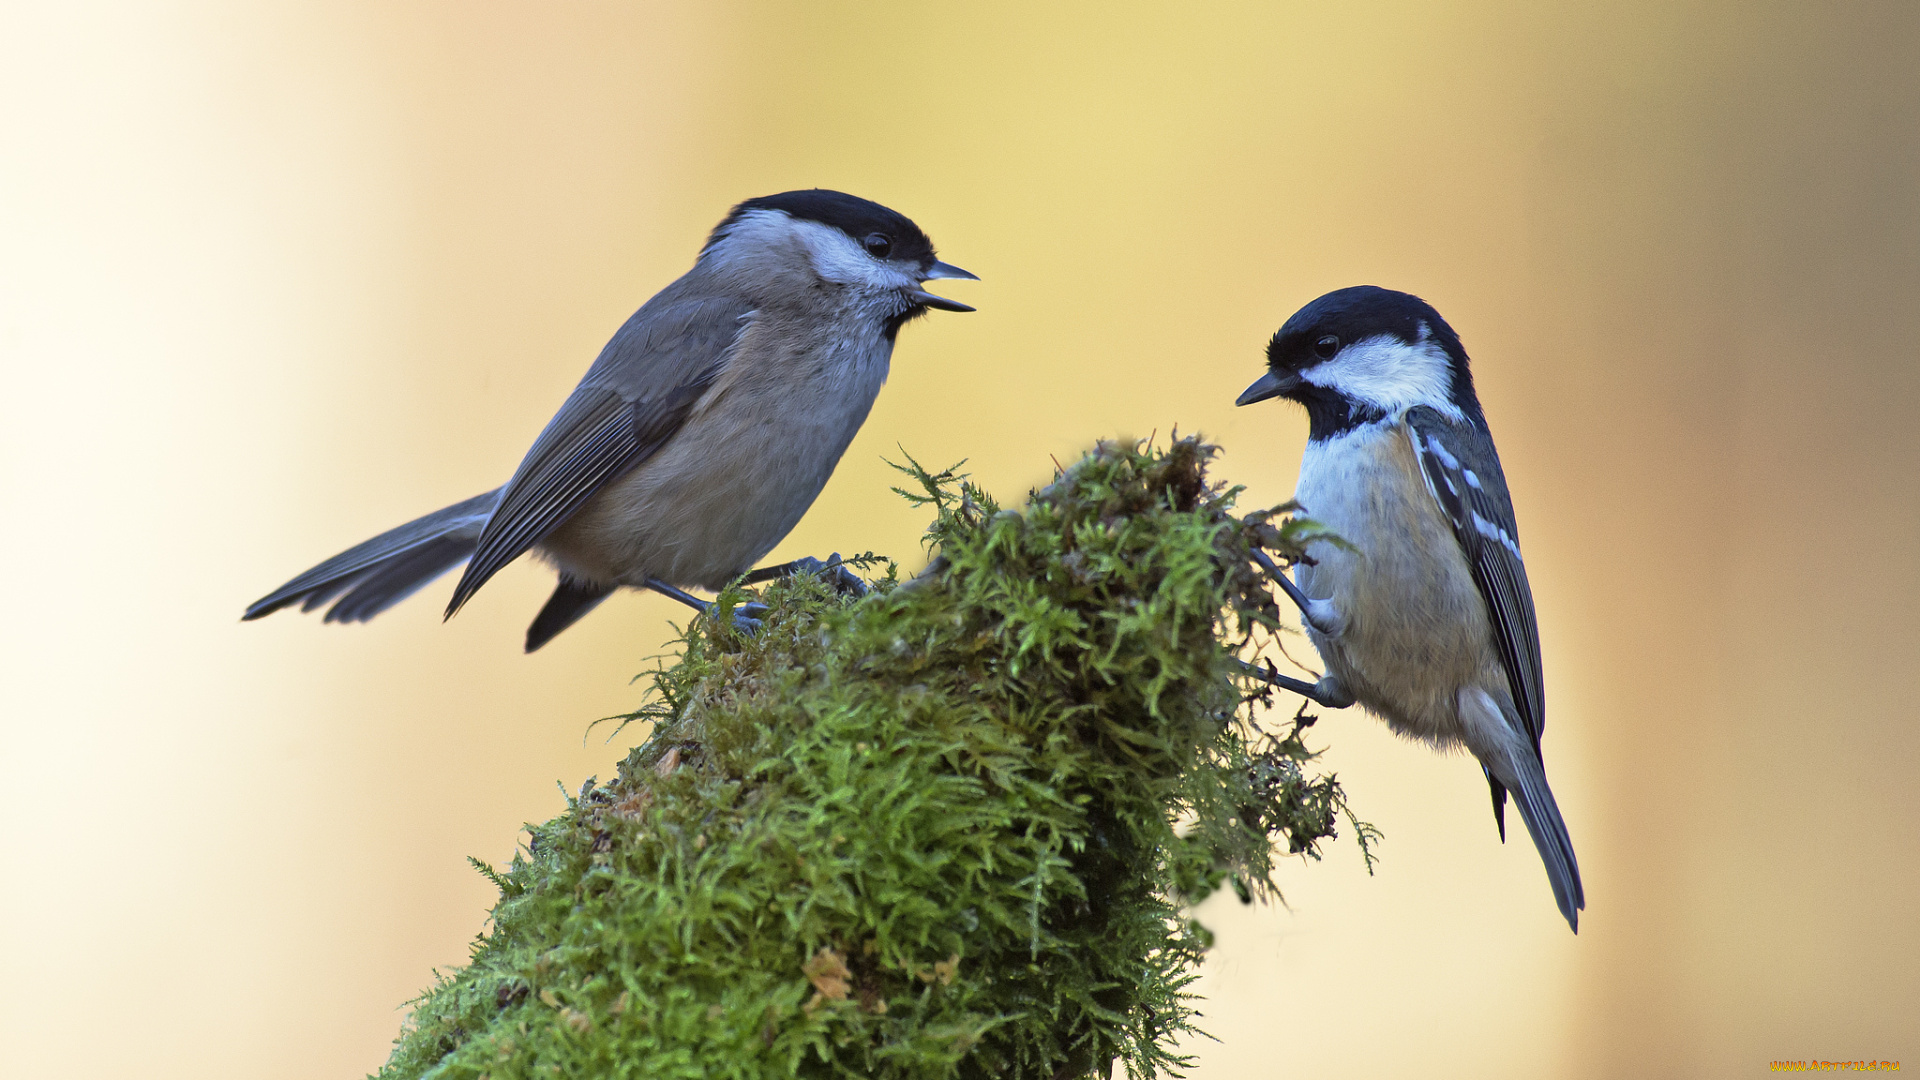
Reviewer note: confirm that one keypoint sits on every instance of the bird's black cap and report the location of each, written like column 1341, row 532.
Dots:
column 857, row 217
column 1365, row 311
column 1356, row 314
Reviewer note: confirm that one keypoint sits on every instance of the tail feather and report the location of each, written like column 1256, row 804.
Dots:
column 1542, row 815
column 381, row 572
column 318, row 598
column 564, row 608
column 1499, row 802
column 401, row 577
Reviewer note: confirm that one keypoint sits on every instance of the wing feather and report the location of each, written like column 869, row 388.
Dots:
column 634, row 398
column 1464, row 475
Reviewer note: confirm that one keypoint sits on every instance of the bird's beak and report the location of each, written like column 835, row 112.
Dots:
column 1272, row 384
column 935, row 272
column 941, row 302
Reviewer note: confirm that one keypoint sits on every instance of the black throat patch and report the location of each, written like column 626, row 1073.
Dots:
column 1330, row 415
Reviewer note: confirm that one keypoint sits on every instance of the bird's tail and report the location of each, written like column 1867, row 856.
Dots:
column 1523, row 775
column 570, row 601
column 387, row 569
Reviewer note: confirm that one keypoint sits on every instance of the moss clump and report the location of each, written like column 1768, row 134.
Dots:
column 945, row 830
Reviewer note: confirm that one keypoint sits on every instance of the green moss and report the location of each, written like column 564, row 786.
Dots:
column 950, row 829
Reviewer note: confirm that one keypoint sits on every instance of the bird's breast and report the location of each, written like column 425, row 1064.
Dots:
column 1416, row 628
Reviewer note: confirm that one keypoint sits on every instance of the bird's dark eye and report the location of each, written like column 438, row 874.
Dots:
column 1326, row 347
column 878, row 244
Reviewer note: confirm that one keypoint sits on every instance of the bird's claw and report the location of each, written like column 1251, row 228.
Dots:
column 831, row 570
column 1321, row 616
column 1328, row 690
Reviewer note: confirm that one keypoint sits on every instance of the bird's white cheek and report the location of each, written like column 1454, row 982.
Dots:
column 1389, row 375
column 837, row 258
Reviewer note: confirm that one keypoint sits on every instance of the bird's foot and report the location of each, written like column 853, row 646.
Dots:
column 1321, row 616
column 745, row 616
column 1328, row 690
column 1332, row 693
column 832, row 570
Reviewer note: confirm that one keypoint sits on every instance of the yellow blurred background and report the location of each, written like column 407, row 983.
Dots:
column 276, row 277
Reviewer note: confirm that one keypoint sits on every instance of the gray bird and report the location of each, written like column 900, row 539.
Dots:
column 699, row 437
column 1426, row 619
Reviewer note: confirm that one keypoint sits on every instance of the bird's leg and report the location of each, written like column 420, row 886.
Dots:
column 742, row 616
column 1328, row 691
column 832, row 570
column 1321, row 615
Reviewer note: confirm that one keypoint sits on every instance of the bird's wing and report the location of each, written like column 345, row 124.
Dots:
column 633, row 399
column 1464, row 475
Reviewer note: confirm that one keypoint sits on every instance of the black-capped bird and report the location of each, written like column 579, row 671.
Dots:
column 699, row 437
column 1426, row 619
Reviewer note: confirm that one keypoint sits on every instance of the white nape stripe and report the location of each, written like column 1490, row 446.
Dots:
column 1390, row 375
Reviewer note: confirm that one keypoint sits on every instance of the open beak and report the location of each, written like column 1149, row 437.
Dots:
column 1272, row 384
column 935, row 272
column 924, row 297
